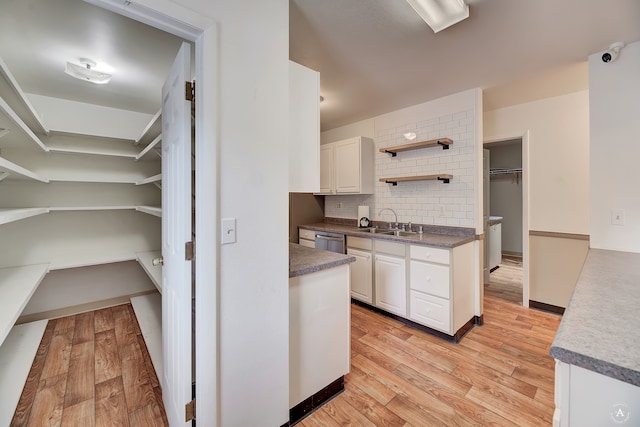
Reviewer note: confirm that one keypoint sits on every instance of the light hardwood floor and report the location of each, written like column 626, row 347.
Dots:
column 92, row 369
column 500, row 374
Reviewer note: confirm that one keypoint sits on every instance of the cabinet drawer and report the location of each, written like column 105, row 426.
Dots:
column 425, row 253
column 359, row 243
column 430, row 311
column 307, row 243
column 430, row 278
column 307, row 234
column 390, row 248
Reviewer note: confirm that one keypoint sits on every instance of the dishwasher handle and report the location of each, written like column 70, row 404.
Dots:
column 335, row 239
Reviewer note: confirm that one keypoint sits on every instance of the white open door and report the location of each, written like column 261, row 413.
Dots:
column 176, row 232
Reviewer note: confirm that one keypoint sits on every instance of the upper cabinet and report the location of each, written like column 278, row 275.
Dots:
column 346, row 167
column 304, row 129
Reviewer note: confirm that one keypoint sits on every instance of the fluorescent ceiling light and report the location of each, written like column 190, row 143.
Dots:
column 86, row 72
column 440, row 14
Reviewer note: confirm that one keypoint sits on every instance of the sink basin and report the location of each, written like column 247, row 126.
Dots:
column 399, row 233
column 402, row 233
column 376, row 230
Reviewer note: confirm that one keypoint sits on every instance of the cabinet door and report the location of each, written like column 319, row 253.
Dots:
column 361, row 276
column 347, row 164
column 304, row 129
column 391, row 284
column 326, row 169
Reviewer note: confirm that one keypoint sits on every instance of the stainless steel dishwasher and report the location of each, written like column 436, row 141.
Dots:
column 332, row 242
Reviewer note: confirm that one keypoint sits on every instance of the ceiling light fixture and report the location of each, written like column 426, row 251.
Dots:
column 87, row 72
column 440, row 14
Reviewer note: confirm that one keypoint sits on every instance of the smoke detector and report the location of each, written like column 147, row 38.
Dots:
column 86, row 71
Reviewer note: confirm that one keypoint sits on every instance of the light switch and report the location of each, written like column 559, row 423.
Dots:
column 617, row 217
column 228, row 231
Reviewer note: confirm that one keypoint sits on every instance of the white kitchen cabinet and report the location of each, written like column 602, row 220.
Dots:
column 327, row 185
column 361, row 269
column 587, row 398
column 441, row 287
column 307, row 238
column 390, row 277
column 495, row 245
column 347, row 167
column 304, row 129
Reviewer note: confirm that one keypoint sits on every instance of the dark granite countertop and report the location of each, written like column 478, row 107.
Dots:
column 431, row 237
column 600, row 330
column 303, row 260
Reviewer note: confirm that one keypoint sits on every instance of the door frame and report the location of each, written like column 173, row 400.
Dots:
column 524, row 136
column 203, row 31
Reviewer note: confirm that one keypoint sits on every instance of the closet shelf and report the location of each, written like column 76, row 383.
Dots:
column 16, row 356
column 153, row 127
column 14, row 119
column 149, row 147
column 153, row 271
column 17, row 285
column 12, row 215
column 95, row 152
column 504, row 171
column 445, row 178
column 151, row 210
column 16, row 214
column 440, row 142
column 154, row 178
column 11, row 91
column 14, row 170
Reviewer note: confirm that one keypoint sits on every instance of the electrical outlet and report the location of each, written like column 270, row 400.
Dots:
column 617, row 216
column 338, row 205
column 441, row 210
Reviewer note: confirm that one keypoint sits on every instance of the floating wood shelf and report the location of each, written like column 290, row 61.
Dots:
column 445, row 178
column 440, row 142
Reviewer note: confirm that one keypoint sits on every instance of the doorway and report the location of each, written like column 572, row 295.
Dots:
column 504, row 213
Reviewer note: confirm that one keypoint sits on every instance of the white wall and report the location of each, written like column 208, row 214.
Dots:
column 423, row 202
column 62, row 115
column 253, row 84
column 558, row 158
column 614, row 95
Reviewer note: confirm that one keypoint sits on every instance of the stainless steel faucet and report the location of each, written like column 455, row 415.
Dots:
column 394, row 214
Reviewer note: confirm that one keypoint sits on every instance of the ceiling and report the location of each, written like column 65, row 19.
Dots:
column 37, row 37
column 374, row 56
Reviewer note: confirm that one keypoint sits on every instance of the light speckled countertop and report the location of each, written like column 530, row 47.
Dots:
column 600, row 330
column 493, row 220
column 303, row 260
column 434, row 239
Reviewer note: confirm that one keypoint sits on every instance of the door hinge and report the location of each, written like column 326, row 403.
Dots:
column 189, row 251
column 190, row 93
column 190, row 411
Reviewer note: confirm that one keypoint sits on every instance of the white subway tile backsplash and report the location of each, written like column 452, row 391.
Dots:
column 423, row 202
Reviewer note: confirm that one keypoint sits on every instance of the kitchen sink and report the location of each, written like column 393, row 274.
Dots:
column 376, row 230
column 399, row 233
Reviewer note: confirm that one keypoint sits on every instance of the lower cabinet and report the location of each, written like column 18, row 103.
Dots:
column 390, row 278
column 430, row 286
column 441, row 287
column 361, row 275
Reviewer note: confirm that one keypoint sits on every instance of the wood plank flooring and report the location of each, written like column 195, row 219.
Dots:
column 92, row 369
column 500, row 374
